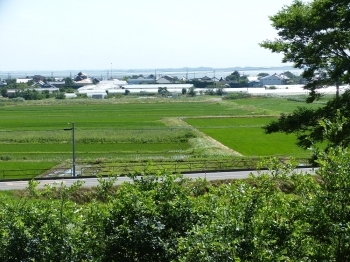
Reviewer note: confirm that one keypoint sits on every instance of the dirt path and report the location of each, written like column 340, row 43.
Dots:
column 203, row 144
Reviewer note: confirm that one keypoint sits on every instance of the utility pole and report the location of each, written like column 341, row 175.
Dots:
column 111, row 71
column 214, row 79
column 73, row 148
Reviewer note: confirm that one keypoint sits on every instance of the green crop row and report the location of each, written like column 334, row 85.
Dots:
column 85, row 136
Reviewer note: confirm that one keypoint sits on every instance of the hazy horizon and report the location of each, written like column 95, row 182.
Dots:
column 200, row 68
column 59, row 34
column 179, row 72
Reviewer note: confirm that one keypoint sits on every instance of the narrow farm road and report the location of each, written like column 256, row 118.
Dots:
column 90, row 182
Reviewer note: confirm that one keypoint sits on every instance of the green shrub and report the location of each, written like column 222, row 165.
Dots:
column 18, row 99
column 192, row 91
column 60, row 95
column 237, row 95
column 5, row 158
column 209, row 91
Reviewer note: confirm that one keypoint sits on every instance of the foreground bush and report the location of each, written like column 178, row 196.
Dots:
column 278, row 215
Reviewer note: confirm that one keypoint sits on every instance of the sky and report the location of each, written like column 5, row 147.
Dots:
column 136, row 34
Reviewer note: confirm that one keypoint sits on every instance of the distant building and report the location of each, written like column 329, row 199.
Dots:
column 83, row 82
column 82, row 79
column 3, row 83
column 41, row 84
column 80, row 76
column 140, row 80
column 47, row 85
column 37, row 78
column 166, row 80
column 57, row 83
column 205, row 79
column 23, row 80
column 274, row 79
column 253, row 81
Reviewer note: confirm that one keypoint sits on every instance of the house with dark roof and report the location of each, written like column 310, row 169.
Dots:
column 38, row 78
column 40, row 84
column 140, row 80
column 80, row 76
column 205, row 79
column 47, row 85
column 166, row 80
column 57, row 83
column 253, row 81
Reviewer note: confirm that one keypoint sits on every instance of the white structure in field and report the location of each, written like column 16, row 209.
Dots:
column 118, row 86
column 23, row 80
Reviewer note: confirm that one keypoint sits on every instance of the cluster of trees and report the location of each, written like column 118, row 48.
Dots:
column 29, row 94
column 219, row 91
column 25, row 91
column 293, row 79
column 163, row 91
column 236, row 77
column 199, row 84
column 12, row 84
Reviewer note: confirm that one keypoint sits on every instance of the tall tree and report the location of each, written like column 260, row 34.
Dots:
column 262, row 74
column 315, row 37
column 233, row 76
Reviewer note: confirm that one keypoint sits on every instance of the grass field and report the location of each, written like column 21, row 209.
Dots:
column 246, row 136
column 125, row 129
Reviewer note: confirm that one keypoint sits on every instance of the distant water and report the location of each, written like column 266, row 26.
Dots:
column 105, row 74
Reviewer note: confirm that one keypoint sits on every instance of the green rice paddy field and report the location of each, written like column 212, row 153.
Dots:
column 32, row 132
column 246, row 136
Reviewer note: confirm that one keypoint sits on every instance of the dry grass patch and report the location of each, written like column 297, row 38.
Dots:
column 202, row 144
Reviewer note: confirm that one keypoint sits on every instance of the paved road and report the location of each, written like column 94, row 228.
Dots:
column 90, row 182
